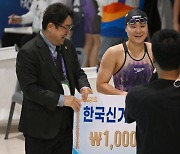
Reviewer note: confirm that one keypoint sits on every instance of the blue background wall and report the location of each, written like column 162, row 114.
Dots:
column 8, row 7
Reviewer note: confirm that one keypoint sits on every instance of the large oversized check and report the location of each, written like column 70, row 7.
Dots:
column 100, row 127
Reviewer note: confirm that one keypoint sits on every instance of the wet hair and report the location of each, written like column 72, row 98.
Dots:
column 56, row 13
column 166, row 49
column 135, row 14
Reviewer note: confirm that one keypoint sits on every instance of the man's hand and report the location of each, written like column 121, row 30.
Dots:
column 72, row 102
column 84, row 92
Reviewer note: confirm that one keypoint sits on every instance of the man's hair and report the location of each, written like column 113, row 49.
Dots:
column 166, row 49
column 56, row 13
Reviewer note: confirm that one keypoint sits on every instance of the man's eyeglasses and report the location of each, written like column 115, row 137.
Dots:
column 68, row 27
column 132, row 21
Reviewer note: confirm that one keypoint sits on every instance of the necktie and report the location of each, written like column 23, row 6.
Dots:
column 58, row 50
column 58, row 59
column 60, row 62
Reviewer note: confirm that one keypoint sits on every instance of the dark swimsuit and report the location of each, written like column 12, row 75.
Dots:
column 133, row 72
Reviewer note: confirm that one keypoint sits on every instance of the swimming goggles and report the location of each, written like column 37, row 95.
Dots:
column 141, row 20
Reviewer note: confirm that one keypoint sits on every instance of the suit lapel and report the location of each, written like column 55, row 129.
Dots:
column 66, row 59
column 45, row 53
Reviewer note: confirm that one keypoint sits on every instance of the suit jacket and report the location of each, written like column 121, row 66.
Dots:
column 41, row 86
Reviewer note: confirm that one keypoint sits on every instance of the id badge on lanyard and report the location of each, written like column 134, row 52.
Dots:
column 65, row 82
column 66, row 87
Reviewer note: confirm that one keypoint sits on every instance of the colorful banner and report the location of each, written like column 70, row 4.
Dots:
column 100, row 127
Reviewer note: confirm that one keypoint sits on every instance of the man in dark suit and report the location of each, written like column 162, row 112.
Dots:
column 47, row 69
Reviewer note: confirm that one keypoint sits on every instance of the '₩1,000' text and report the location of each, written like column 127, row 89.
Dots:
column 124, row 139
